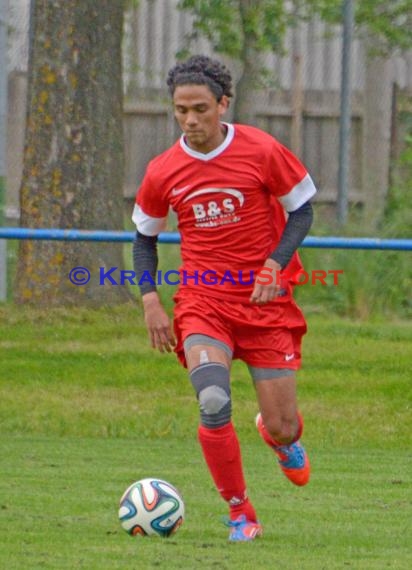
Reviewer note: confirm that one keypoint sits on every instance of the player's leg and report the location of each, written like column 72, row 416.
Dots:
column 209, row 362
column 279, row 422
column 276, row 395
column 269, row 341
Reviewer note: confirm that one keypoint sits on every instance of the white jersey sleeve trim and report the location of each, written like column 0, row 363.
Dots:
column 147, row 225
column 301, row 193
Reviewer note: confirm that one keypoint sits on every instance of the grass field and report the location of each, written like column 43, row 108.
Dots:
column 86, row 408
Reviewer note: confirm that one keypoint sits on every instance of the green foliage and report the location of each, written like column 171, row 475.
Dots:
column 268, row 21
column 389, row 23
column 225, row 23
column 219, row 21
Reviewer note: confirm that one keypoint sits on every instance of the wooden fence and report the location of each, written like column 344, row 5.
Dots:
column 301, row 109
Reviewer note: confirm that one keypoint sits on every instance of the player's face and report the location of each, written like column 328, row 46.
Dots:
column 198, row 113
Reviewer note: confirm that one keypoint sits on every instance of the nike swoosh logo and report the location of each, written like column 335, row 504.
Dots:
column 177, row 191
column 289, row 357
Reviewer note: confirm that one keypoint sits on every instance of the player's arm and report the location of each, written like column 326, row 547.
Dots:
column 150, row 217
column 296, row 229
column 289, row 181
column 145, row 261
column 297, row 204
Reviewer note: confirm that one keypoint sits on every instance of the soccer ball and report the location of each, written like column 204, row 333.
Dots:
column 151, row 507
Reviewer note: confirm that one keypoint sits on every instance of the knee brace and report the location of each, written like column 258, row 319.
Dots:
column 212, row 385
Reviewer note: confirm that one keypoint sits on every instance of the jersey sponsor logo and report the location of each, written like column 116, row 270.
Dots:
column 289, row 356
column 177, row 191
column 218, row 211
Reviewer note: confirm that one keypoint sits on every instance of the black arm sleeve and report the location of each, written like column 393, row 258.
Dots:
column 296, row 229
column 145, row 261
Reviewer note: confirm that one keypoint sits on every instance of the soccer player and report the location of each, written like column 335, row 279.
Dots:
column 242, row 202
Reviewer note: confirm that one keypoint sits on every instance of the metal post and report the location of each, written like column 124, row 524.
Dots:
column 3, row 123
column 345, row 112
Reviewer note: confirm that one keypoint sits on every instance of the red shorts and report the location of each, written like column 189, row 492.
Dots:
column 266, row 336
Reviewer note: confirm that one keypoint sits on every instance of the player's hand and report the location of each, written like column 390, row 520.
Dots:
column 267, row 283
column 158, row 323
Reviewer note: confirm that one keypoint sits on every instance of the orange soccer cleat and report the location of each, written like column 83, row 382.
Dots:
column 293, row 459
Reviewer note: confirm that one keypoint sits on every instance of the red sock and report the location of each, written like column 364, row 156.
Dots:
column 222, row 454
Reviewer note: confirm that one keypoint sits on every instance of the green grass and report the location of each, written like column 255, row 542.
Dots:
column 59, row 508
column 86, row 408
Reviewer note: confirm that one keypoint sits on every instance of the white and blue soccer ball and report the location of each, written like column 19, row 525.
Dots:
column 151, row 507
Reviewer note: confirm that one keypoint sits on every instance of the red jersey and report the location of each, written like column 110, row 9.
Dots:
column 231, row 207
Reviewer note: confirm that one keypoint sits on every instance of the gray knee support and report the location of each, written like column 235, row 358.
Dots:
column 212, row 385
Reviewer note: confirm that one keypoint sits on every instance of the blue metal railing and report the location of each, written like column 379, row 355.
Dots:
column 174, row 238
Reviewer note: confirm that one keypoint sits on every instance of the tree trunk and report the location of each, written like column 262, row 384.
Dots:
column 245, row 101
column 73, row 156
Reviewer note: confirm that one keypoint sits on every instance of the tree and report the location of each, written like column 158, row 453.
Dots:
column 389, row 23
column 73, row 156
column 244, row 30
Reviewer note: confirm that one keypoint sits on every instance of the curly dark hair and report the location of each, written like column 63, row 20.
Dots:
column 201, row 70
